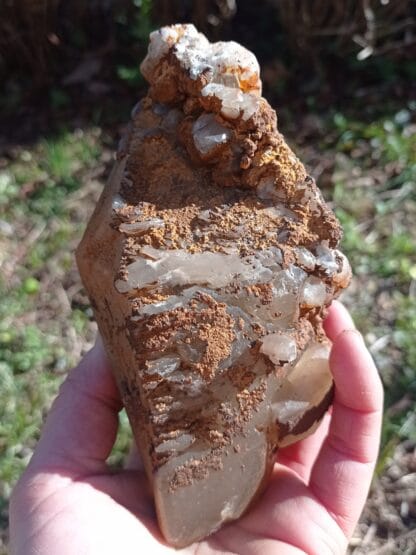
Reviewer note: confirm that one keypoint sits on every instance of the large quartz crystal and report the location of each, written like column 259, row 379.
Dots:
column 209, row 261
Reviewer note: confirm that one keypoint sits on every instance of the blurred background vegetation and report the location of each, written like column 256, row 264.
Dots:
column 342, row 76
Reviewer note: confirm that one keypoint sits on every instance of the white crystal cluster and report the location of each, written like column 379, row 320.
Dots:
column 279, row 347
column 231, row 72
column 215, row 269
column 305, row 385
column 137, row 228
column 211, row 272
column 208, row 133
column 233, row 101
column 268, row 190
column 290, row 287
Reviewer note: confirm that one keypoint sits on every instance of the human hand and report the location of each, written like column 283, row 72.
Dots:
column 68, row 501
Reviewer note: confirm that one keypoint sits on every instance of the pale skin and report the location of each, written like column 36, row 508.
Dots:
column 69, row 502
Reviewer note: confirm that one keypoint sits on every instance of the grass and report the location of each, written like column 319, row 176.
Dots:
column 44, row 324
column 39, row 180
column 47, row 192
column 375, row 199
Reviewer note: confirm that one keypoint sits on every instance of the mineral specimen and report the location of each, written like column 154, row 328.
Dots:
column 209, row 261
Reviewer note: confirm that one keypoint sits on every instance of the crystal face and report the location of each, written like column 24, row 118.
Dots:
column 208, row 133
column 209, row 261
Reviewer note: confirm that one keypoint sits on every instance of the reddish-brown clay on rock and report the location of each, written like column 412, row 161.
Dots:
column 210, row 260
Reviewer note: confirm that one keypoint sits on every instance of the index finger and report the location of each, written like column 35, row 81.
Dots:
column 343, row 470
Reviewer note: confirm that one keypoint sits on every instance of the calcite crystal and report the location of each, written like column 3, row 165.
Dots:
column 209, row 261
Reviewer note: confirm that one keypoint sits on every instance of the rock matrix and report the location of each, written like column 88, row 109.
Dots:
column 209, row 261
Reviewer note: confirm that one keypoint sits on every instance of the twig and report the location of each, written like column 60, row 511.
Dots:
column 370, row 19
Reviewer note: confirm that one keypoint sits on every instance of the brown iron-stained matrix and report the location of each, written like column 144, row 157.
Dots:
column 209, row 261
